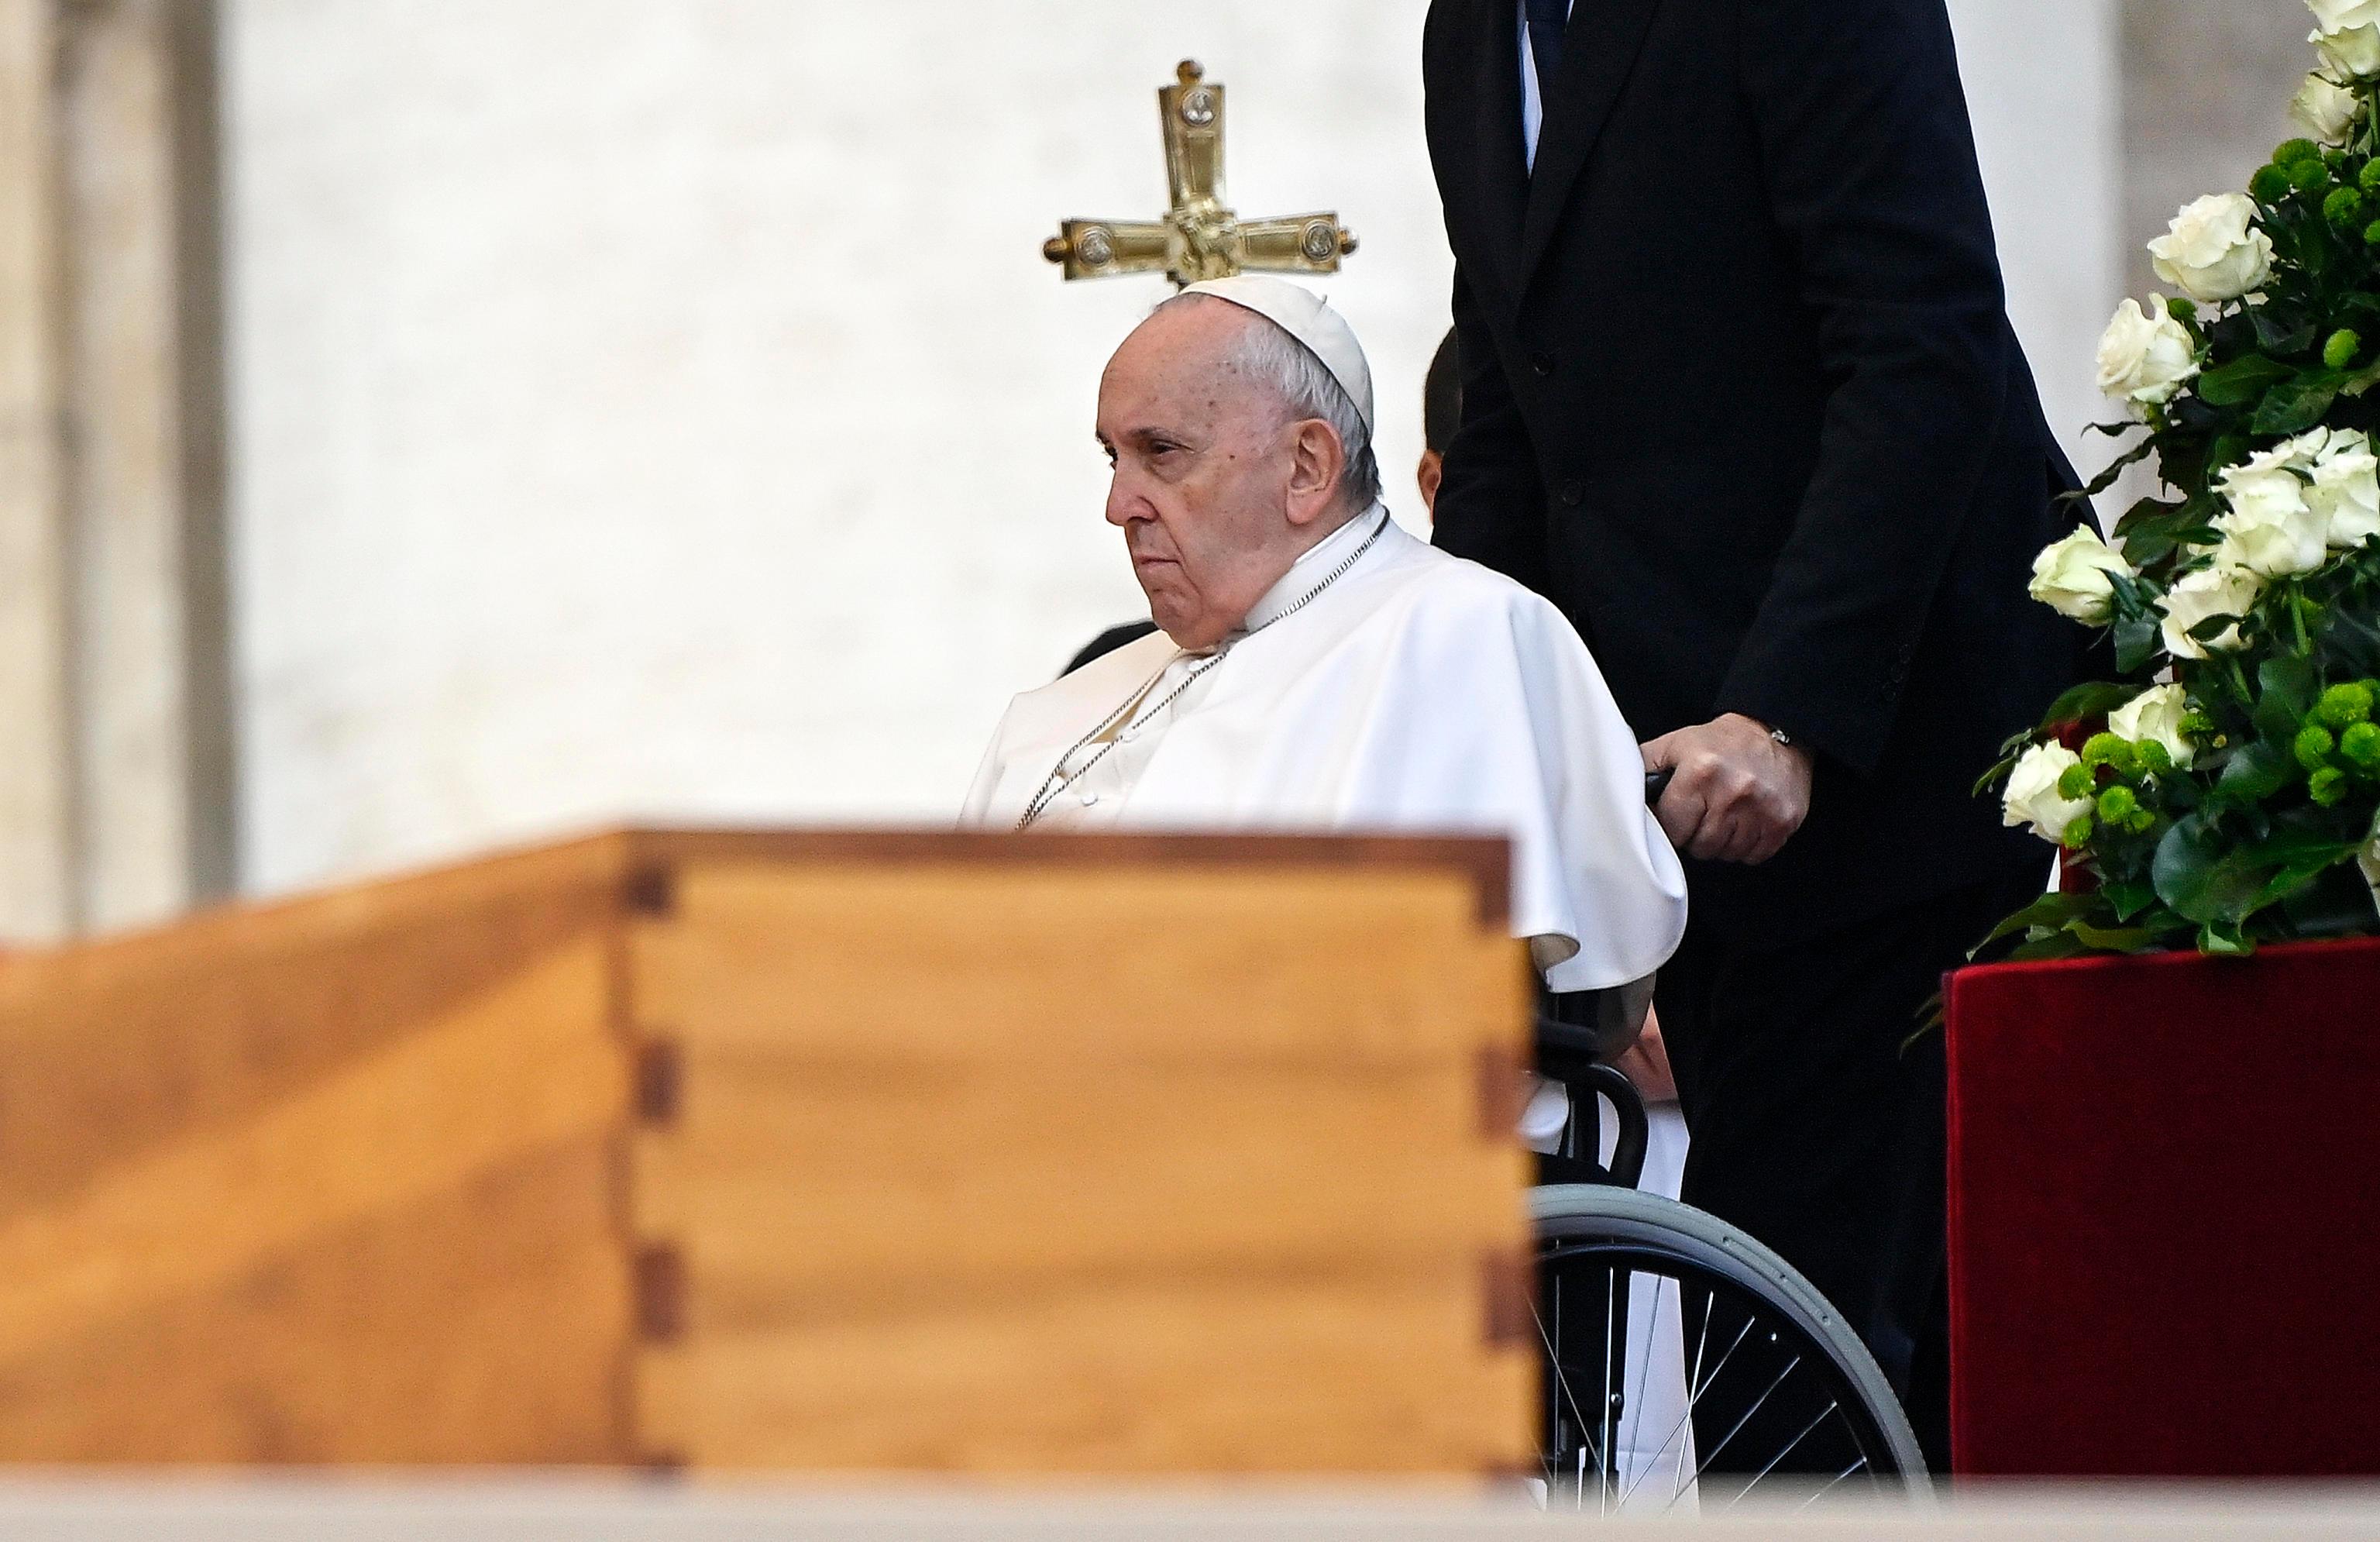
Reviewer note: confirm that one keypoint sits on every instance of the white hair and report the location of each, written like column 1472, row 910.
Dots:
column 1307, row 388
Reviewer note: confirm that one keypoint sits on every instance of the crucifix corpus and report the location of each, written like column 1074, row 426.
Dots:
column 1199, row 238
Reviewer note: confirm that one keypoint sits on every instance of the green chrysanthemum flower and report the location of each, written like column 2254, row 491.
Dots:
column 2328, row 787
column 2307, row 175
column 2345, row 705
column 2076, row 835
column 2270, row 184
column 2293, row 150
column 2343, row 208
column 2196, row 725
column 2371, row 231
column 2313, row 747
column 2109, row 749
column 2076, row 782
column 2339, row 351
column 2142, row 822
column 2361, row 744
column 2117, row 804
column 2154, row 757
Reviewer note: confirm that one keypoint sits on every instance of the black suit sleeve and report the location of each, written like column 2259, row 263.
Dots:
column 1491, row 504
column 1870, row 165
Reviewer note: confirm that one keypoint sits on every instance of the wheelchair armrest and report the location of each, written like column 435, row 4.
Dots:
column 1566, row 1050
column 1589, row 1027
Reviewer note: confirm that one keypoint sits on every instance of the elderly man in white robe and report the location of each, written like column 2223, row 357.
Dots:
column 1316, row 668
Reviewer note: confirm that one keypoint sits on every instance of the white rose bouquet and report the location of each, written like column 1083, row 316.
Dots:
column 2225, row 790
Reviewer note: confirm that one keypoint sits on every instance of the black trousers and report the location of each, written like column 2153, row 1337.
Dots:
column 1816, row 1125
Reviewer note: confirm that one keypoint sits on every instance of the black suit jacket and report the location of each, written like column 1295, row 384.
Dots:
column 1741, row 396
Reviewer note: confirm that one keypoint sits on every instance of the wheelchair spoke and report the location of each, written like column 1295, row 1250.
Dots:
column 1781, row 1456
column 1562, row 1384
column 1652, row 1460
column 1693, row 1382
column 1694, row 1399
column 1645, row 1367
column 1696, row 1388
column 1832, row 1481
column 1758, row 1403
column 1610, row 1449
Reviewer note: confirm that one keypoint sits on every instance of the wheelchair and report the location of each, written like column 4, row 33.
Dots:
column 1685, row 1364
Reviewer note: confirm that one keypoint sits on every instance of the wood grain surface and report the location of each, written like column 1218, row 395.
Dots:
column 1081, row 1166
column 795, row 1152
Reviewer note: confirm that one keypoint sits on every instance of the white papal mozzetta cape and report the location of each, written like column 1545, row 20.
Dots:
column 1419, row 692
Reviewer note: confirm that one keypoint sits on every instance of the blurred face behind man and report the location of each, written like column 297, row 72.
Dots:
column 1441, row 414
column 1218, row 487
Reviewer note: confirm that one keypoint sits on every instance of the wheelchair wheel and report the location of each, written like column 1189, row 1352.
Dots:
column 1688, row 1367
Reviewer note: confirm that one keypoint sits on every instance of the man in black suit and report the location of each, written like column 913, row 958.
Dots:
column 1741, row 396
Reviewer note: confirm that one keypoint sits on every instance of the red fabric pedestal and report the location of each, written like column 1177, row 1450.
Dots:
column 2164, row 1258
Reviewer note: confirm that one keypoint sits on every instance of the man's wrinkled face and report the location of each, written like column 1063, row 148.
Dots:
column 1205, row 463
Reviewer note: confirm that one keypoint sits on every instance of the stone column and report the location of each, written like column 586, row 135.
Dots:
column 113, row 761
column 140, row 519
column 37, row 820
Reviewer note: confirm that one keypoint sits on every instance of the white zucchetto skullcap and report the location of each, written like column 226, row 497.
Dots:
column 1305, row 316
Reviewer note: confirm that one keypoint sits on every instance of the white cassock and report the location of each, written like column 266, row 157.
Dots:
column 1417, row 691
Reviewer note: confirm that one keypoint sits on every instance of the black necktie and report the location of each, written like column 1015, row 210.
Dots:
column 1547, row 19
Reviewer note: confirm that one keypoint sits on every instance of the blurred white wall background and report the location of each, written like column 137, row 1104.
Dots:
column 659, row 408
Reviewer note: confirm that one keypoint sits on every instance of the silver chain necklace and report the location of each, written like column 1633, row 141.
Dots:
column 1058, row 780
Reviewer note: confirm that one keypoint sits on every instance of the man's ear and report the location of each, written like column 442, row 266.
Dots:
column 1317, row 462
column 1431, row 472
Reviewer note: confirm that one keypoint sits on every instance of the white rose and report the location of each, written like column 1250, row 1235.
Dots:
column 2326, row 110
column 2269, row 528
column 2145, row 358
column 2071, row 576
column 2353, row 52
column 2032, row 797
column 2335, row 14
column 2212, row 251
column 2155, row 715
column 2345, row 490
column 2200, row 596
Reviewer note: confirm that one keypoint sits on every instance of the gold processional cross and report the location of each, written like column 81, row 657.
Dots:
column 1199, row 238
